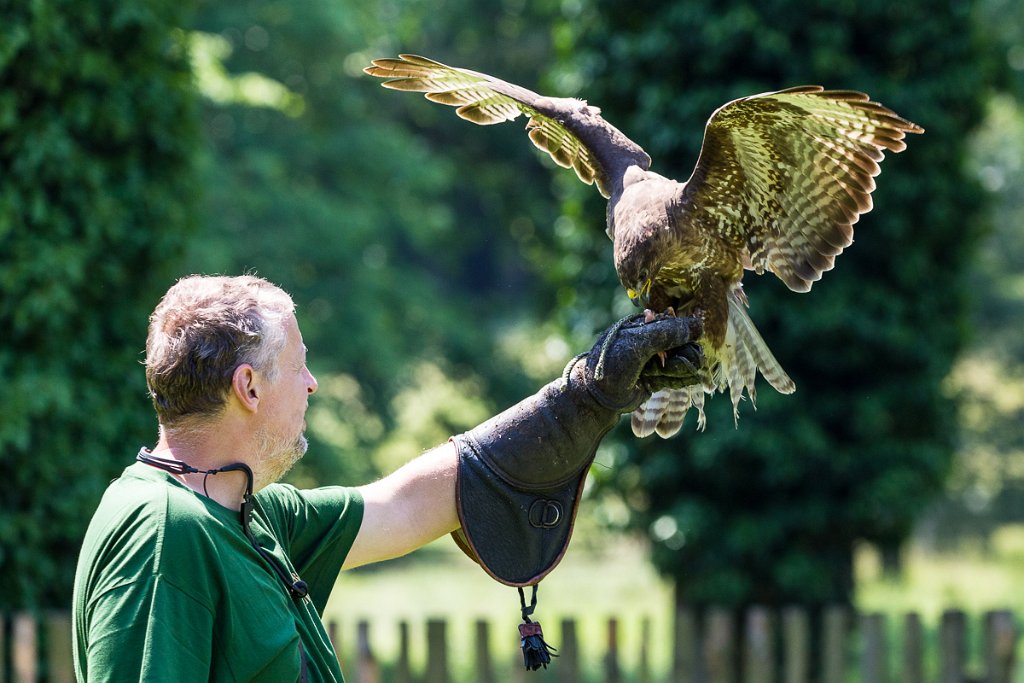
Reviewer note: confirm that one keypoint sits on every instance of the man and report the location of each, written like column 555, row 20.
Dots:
column 197, row 566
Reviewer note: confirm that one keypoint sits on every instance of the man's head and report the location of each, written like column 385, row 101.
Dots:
column 201, row 331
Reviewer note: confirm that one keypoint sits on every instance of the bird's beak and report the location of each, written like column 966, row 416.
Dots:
column 640, row 297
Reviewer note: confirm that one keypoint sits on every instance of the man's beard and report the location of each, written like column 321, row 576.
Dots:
column 275, row 455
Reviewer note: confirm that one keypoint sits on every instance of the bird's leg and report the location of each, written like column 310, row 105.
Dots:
column 651, row 316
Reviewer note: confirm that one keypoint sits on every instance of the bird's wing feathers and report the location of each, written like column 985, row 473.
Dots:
column 785, row 175
column 486, row 100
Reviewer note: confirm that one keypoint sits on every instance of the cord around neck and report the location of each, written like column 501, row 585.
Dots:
column 297, row 588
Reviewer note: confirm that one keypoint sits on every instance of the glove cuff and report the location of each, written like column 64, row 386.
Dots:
column 520, row 478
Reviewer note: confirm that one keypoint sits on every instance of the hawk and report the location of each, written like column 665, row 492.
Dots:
column 779, row 183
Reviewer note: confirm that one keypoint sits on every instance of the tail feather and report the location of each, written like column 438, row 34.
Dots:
column 671, row 420
column 740, row 375
column 748, row 338
column 644, row 419
column 663, row 413
column 695, row 395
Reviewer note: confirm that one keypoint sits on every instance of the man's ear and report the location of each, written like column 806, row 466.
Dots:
column 247, row 387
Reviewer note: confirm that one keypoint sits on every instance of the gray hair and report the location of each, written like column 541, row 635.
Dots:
column 201, row 331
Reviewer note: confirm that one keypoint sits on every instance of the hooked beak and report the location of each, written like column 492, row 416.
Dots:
column 642, row 296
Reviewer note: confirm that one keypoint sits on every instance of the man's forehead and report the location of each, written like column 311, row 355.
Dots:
column 294, row 333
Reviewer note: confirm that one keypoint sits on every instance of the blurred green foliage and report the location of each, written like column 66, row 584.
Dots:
column 769, row 512
column 987, row 485
column 398, row 229
column 98, row 133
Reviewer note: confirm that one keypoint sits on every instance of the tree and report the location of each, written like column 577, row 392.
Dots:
column 769, row 512
column 397, row 228
column 97, row 133
column 987, row 489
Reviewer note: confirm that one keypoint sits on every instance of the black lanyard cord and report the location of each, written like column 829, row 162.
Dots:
column 297, row 588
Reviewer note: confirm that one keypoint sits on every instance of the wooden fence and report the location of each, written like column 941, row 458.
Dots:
column 721, row 646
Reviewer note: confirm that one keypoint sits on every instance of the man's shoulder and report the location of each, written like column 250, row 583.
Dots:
column 143, row 509
column 290, row 500
column 143, row 522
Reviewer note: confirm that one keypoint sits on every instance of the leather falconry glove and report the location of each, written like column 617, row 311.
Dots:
column 521, row 473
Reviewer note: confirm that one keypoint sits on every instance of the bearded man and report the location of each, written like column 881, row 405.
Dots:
column 197, row 565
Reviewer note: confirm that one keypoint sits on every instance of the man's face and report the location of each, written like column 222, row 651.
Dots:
column 280, row 441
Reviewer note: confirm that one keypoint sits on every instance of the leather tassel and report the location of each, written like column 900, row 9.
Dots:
column 536, row 652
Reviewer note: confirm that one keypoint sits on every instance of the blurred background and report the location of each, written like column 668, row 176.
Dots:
column 443, row 271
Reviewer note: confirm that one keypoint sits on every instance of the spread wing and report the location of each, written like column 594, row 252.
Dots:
column 787, row 174
column 486, row 100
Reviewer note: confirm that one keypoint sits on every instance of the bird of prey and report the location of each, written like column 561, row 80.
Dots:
column 780, row 181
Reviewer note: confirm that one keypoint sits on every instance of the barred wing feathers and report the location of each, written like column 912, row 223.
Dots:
column 486, row 100
column 785, row 175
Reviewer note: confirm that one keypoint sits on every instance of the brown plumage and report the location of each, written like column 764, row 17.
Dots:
column 780, row 181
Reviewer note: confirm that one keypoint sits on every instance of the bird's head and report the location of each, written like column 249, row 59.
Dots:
column 638, row 289
column 638, row 263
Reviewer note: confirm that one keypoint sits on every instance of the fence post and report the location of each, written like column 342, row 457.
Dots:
column 796, row 631
column 1000, row 646
column 568, row 670
column 720, row 646
column 612, row 674
column 366, row 664
column 484, row 668
column 913, row 649
column 335, row 638
column 403, row 672
column 25, row 650
column 437, row 652
column 643, row 674
column 58, row 648
column 759, row 647
column 686, row 654
column 952, row 646
column 834, row 645
column 875, row 655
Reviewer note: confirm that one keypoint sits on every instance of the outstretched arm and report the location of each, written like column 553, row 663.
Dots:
column 408, row 508
column 540, row 444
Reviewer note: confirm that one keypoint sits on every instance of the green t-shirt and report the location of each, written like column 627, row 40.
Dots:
column 168, row 588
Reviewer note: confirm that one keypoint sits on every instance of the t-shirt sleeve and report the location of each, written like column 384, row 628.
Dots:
column 137, row 634
column 317, row 527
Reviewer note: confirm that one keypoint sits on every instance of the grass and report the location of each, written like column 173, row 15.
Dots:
column 973, row 578
column 595, row 583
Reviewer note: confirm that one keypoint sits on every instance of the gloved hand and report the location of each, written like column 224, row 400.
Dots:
column 633, row 359
column 521, row 473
